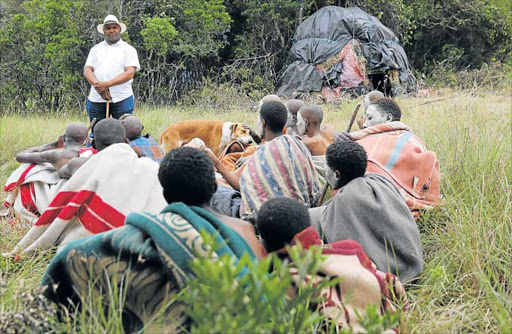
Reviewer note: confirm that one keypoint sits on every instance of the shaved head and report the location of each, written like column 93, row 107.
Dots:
column 76, row 134
column 312, row 113
column 133, row 127
column 108, row 131
column 372, row 96
column 270, row 98
column 294, row 105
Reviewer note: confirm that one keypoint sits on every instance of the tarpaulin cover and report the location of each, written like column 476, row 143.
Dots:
column 326, row 33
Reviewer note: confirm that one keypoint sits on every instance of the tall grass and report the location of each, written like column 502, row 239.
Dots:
column 467, row 241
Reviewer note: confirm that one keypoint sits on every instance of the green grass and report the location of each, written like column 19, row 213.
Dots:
column 467, row 240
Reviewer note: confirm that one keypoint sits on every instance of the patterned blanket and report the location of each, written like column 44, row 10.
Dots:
column 319, row 162
column 97, row 198
column 146, row 146
column 281, row 167
column 147, row 258
column 30, row 189
column 396, row 153
column 361, row 283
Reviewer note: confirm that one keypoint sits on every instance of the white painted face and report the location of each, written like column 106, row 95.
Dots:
column 301, row 125
column 291, row 121
column 366, row 101
column 259, row 128
column 375, row 117
column 331, row 176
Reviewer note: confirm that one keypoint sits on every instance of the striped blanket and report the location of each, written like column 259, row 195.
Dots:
column 319, row 162
column 148, row 258
column 398, row 154
column 361, row 283
column 97, row 198
column 281, row 167
column 30, row 189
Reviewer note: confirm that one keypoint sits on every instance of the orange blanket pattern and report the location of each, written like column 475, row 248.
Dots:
column 398, row 154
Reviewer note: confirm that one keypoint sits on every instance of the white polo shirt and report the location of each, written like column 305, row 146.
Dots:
column 108, row 62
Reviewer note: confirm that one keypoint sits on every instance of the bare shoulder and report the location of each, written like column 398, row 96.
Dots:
column 238, row 225
column 245, row 230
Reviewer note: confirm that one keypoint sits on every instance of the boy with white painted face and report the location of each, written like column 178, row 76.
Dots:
column 310, row 119
column 382, row 110
column 368, row 209
column 293, row 106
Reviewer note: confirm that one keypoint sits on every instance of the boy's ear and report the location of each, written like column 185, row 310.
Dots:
column 294, row 117
column 337, row 174
column 263, row 123
column 126, row 141
column 306, row 121
column 389, row 117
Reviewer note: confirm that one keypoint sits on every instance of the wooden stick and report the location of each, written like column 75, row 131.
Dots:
column 108, row 105
column 91, row 124
column 349, row 127
column 354, row 115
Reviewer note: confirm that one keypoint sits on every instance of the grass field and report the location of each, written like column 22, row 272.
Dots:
column 467, row 241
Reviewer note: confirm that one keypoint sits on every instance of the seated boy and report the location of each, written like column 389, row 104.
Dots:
column 284, row 221
column 370, row 210
column 310, row 120
column 32, row 186
column 72, row 140
column 293, row 106
column 149, row 256
column 144, row 146
column 311, row 117
column 398, row 154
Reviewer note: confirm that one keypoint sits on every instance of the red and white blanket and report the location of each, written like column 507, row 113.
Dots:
column 97, row 198
column 30, row 189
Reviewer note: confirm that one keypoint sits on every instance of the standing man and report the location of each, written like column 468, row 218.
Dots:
column 109, row 69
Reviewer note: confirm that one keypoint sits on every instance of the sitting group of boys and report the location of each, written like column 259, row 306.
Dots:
column 367, row 230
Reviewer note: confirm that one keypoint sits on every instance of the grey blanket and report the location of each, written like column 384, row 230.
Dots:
column 370, row 210
column 226, row 201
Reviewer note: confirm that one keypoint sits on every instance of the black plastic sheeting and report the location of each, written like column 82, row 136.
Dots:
column 325, row 33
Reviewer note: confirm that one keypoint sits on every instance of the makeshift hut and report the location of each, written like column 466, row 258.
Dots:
column 345, row 50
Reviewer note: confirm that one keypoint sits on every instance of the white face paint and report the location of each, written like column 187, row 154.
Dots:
column 291, row 121
column 301, row 125
column 259, row 128
column 366, row 101
column 375, row 117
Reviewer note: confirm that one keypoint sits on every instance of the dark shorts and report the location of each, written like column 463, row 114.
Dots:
column 98, row 109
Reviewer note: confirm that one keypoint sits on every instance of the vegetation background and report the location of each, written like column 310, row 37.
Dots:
column 214, row 59
column 185, row 44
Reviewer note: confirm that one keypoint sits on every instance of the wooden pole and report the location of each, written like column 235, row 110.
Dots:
column 349, row 127
column 91, row 124
column 108, row 105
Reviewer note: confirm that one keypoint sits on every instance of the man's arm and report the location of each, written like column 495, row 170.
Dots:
column 89, row 75
column 128, row 74
column 50, row 156
column 71, row 167
column 231, row 178
column 91, row 78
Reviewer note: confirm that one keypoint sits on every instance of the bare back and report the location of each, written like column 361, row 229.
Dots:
column 245, row 230
column 317, row 144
